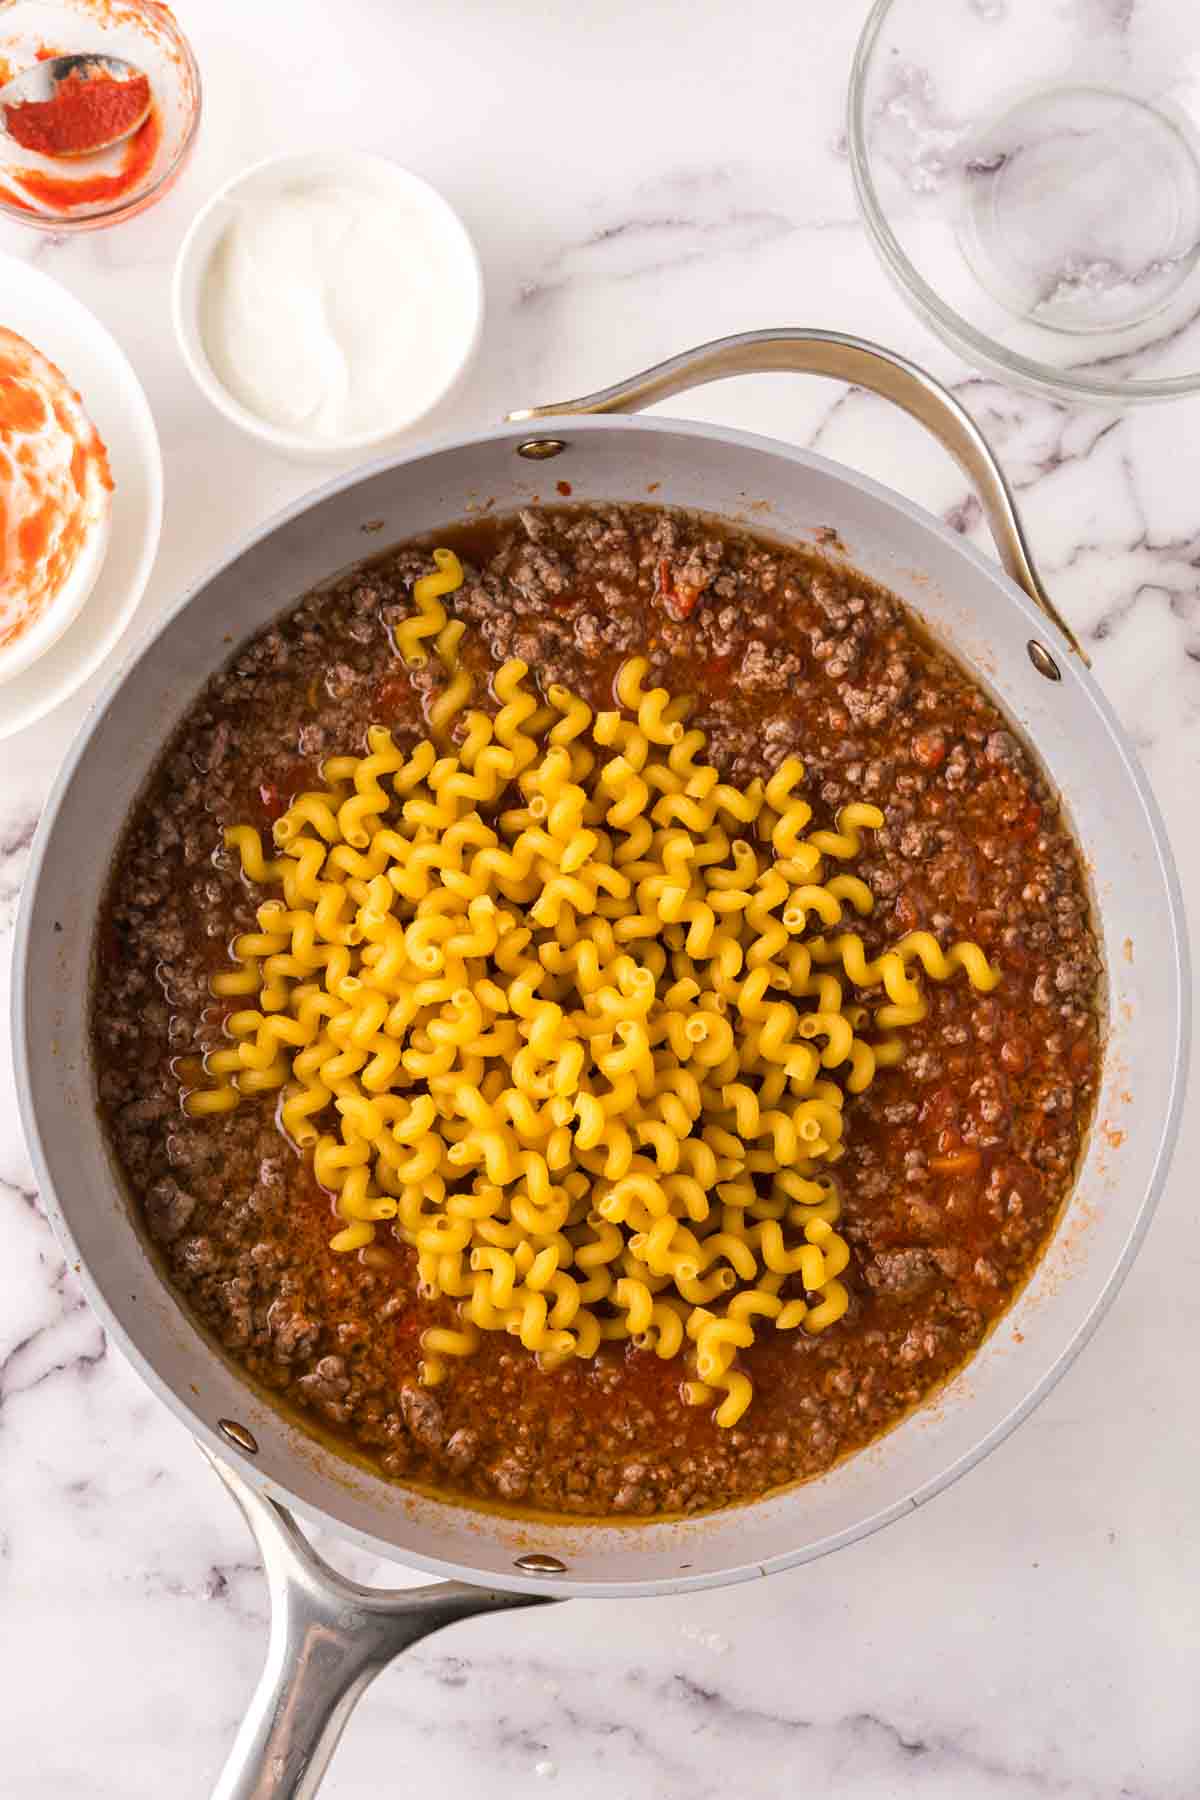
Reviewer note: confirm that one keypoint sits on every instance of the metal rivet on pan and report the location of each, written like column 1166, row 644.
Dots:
column 238, row 1434
column 538, row 1563
column 541, row 449
column 1042, row 661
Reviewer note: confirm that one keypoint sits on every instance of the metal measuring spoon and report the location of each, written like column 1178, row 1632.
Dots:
column 42, row 81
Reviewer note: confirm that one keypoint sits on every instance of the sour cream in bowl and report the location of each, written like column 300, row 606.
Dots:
column 55, row 504
column 327, row 301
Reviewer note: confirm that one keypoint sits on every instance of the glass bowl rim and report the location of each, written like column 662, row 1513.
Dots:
column 949, row 324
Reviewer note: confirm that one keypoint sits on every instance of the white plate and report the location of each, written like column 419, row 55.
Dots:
column 65, row 331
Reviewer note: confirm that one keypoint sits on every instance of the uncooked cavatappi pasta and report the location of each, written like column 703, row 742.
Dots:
column 608, row 1035
column 574, row 1013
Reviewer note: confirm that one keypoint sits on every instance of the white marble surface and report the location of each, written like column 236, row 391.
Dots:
column 639, row 176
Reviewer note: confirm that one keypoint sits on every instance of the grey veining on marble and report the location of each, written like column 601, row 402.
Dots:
column 1035, row 1633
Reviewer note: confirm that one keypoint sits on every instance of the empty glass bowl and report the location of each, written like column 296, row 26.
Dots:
column 1030, row 173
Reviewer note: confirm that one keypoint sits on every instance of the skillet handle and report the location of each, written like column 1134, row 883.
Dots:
column 329, row 1639
column 864, row 365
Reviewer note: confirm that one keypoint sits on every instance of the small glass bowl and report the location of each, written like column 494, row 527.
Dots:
column 1030, row 175
column 143, row 33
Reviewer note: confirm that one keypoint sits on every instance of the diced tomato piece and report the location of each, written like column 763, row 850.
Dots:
column 958, row 1162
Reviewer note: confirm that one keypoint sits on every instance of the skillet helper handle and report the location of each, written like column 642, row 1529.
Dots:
column 329, row 1638
column 864, row 365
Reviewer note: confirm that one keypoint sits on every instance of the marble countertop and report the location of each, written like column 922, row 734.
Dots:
column 639, row 177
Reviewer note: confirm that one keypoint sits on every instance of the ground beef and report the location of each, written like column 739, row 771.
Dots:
column 168, row 1210
column 901, row 1274
column 785, row 653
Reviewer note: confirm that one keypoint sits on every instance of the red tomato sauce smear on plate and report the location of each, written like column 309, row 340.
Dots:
column 55, row 483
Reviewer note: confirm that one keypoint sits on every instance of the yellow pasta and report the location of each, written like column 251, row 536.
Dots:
column 573, row 1018
column 430, row 615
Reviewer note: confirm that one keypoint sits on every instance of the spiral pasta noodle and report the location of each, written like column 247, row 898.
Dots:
column 572, row 1015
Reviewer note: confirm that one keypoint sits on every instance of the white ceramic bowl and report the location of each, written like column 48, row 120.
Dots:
column 64, row 607
column 39, row 309
column 42, row 472
column 409, row 194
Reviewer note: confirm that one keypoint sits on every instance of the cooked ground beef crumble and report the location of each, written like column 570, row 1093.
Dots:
column 785, row 652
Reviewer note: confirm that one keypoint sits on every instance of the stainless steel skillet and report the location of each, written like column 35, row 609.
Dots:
column 328, row 1639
